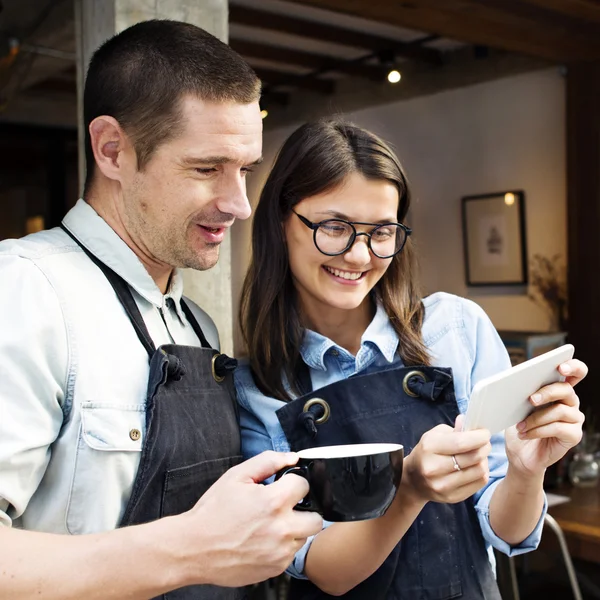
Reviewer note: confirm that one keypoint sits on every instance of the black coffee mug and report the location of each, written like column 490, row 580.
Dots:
column 350, row 482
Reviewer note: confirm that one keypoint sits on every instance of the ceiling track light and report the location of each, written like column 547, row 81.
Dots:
column 394, row 76
column 387, row 59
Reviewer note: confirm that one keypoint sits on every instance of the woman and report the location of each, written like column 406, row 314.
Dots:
column 332, row 309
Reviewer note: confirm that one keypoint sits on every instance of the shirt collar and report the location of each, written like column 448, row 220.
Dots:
column 314, row 347
column 380, row 333
column 103, row 241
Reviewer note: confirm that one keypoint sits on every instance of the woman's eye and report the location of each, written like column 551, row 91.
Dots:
column 334, row 229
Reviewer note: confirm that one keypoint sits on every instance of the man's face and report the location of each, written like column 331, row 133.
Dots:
column 180, row 206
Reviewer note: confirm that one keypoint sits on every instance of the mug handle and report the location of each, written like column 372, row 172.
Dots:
column 302, row 471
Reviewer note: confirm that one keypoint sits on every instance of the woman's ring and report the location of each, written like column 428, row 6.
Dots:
column 456, row 465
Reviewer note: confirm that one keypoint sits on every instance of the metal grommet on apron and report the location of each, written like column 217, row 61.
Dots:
column 318, row 402
column 419, row 374
column 217, row 378
column 315, row 412
column 222, row 365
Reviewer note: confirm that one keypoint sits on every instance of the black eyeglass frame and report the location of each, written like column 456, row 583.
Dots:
column 355, row 234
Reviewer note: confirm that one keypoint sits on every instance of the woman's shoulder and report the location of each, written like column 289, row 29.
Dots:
column 248, row 393
column 445, row 311
column 242, row 375
column 460, row 335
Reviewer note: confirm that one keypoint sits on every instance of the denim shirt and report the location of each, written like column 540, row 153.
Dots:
column 74, row 375
column 457, row 333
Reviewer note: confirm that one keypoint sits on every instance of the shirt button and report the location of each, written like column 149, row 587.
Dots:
column 135, row 434
column 334, row 352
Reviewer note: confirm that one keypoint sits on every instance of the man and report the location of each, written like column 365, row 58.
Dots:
column 117, row 418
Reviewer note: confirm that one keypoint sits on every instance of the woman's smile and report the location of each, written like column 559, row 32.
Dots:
column 343, row 276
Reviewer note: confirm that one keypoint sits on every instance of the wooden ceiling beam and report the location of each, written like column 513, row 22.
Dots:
column 484, row 22
column 56, row 32
column 272, row 78
column 329, row 33
column 315, row 62
column 587, row 10
column 462, row 69
column 519, row 13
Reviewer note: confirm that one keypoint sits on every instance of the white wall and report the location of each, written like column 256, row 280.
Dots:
column 506, row 134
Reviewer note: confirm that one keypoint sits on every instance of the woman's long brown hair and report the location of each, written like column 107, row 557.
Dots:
column 317, row 158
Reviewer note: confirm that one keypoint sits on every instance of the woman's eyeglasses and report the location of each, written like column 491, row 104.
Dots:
column 336, row 236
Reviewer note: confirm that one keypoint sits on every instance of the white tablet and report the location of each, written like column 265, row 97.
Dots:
column 502, row 400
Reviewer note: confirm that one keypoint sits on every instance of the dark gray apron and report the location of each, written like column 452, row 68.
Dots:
column 192, row 429
column 443, row 554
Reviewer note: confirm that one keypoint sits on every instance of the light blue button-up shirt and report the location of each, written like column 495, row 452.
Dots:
column 74, row 375
column 457, row 333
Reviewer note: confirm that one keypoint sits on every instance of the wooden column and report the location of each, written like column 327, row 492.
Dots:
column 583, row 222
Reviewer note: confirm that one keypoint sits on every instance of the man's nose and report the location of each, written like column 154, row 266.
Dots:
column 233, row 198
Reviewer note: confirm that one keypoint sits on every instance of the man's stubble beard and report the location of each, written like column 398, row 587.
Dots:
column 177, row 251
column 199, row 263
column 186, row 256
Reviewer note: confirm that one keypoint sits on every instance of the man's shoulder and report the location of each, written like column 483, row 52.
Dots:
column 38, row 245
column 31, row 260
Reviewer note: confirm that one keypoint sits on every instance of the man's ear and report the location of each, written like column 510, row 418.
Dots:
column 110, row 145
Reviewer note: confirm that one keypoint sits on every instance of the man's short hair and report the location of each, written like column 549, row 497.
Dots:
column 140, row 75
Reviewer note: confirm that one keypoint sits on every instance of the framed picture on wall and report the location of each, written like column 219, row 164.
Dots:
column 494, row 238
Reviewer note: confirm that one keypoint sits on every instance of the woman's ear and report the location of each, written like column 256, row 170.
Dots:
column 110, row 146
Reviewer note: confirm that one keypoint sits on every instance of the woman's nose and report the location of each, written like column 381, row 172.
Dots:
column 359, row 252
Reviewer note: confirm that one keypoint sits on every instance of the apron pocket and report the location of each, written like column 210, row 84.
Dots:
column 185, row 485
column 439, row 552
column 108, row 453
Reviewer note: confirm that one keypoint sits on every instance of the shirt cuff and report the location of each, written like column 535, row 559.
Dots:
column 530, row 543
column 296, row 569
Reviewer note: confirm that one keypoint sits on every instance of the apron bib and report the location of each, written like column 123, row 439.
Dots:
column 192, row 429
column 443, row 554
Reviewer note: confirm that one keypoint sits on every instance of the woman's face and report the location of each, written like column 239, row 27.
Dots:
column 342, row 281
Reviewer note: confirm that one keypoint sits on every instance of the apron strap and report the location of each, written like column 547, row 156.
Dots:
column 308, row 417
column 187, row 311
column 125, row 296
column 303, row 380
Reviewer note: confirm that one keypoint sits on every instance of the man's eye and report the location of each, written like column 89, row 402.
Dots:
column 246, row 170
column 206, row 171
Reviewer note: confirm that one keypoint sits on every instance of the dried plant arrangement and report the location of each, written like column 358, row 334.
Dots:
column 548, row 288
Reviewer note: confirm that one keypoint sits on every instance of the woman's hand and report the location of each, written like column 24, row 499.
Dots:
column 430, row 470
column 555, row 427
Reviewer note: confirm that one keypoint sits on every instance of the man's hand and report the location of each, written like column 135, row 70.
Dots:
column 246, row 531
